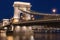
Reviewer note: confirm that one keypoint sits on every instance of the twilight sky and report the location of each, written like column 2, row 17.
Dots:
column 43, row 6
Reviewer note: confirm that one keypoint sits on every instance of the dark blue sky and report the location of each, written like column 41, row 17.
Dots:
column 44, row 6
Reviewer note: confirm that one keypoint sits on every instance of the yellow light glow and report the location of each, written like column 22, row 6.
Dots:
column 32, row 38
column 33, row 18
column 15, row 20
column 5, row 27
column 30, row 28
column 24, row 28
column 10, row 38
column 17, row 29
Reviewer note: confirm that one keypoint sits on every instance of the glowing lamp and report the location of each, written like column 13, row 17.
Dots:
column 15, row 20
column 54, row 10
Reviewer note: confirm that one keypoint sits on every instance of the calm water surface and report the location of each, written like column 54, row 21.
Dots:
column 37, row 36
column 43, row 36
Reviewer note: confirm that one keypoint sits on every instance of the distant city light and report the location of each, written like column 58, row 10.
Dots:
column 54, row 10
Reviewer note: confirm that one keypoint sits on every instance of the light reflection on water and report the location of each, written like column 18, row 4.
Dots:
column 9, row 37
column 42, row 37
column 37, row 36
column 17, row 38
column 47, row 36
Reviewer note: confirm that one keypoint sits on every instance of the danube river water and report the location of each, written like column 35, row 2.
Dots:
column 47, row 36
column 42, row 36
column 37, row 36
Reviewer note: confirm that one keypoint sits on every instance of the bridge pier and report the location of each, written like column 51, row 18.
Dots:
column 23, row 33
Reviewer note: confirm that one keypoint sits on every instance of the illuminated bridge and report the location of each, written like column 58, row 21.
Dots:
column 25, row 26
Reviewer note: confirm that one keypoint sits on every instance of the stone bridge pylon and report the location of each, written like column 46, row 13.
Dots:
column 18, row 6
column 22, row 32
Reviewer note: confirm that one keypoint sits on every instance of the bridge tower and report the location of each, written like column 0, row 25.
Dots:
column 22, row 32
column 18, row 6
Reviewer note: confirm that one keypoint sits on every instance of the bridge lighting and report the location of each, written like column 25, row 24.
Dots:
column 24, row 28
column 32, row 16
column 17, row 29
column 15, row 20
column 5, row 28
column 32, row 38
column 30, row 28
